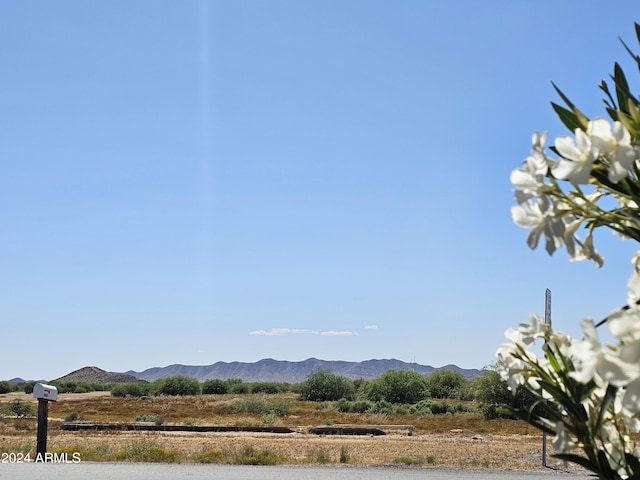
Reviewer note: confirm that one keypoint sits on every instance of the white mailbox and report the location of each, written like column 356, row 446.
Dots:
column 42, row 391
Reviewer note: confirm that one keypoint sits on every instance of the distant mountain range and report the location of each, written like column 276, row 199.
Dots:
column 269, row 370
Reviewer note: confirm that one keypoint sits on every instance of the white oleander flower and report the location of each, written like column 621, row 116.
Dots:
column 624, row 324
column 529, row 179
column 562, row 442
column 577, row 158
column 539, row 215
column 590, row 359
column 614, row 142
column 631, row 398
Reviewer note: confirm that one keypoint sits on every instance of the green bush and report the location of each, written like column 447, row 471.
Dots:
column 145, row 451
column 322, row 386
column 150, row 418
column 260, row 406
column 253, row 456
column 5, row 387
column 19, row 409
column 215, row 386
column 494, row 398
column 446, row 384
column 421, row 460
column 210, row 456
column 80, row 387
column 382, row 406
column 425, row 408
column 396, row 386
column 138, row 389
column 176, row 385
column 72, row 417
column 239, row 388
column 343, row 405
column 268, row 387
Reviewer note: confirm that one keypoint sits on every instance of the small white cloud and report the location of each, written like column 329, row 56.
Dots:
column 333, row 333
column 371, row 327
column 283, row 331
column 300, row 331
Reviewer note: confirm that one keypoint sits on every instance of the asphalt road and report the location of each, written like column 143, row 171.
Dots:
column 154, row 471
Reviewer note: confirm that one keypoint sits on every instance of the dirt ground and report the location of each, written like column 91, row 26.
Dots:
column 452, row 450
column 458, row 448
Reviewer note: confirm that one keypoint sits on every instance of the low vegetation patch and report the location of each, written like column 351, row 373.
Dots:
column 420, row 460
column 18, row 409
column 144, row 451
column 256, row 456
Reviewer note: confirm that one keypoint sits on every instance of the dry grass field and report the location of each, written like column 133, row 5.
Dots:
column 452, row 441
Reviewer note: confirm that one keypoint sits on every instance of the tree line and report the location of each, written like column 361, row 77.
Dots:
column 394, row 387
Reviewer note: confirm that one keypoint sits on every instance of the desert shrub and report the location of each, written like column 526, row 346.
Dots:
column 254, row 456
column 426, row 408
column 396, row 386
column 446, row 384
column 382, row 406
column 215, row 386
column 239, row 388
column 210, row 456
column 176, row 385
column 150, row 418
column 80, row 387
column 28, row 387
column 20, row 409
column 260, row 406
column 72, row 417
column 343, row 405
column 138, row 389
column 361, row 406
column 145, row 451
column 160, row 455
column 5, row 387
column 420, row 460
column 492, row 394
column 249, row 405
column 344, row 455
column 494, row 398
column 267, row 387
column 322, row 386
column 319, row 455
column 422, row 409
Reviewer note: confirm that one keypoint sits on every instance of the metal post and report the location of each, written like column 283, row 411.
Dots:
column 547, row 321
column 43, row 416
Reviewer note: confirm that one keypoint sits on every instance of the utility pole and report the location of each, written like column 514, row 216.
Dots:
column 547, row 321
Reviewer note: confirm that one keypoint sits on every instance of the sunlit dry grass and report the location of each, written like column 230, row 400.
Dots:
column 459, row 441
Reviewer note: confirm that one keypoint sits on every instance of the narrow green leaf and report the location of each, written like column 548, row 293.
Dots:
column 613, row 113
column 634, row 463
column 606, row 401
column 605, row 470
column 622, row 87
column 579, row 115
column 605, row 88
column 635, row 57
column 567, row 117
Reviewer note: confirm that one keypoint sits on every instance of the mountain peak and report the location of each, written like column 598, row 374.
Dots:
column 270, row 370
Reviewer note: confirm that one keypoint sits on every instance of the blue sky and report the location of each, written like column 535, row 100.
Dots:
column 196, row 181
